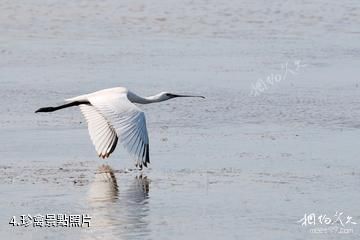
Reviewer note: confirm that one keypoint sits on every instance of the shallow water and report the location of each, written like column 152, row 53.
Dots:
column 228, row 167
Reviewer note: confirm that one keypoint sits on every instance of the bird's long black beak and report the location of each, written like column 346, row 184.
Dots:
column 178, row 95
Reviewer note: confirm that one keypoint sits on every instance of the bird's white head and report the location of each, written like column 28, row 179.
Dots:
column 163, row 96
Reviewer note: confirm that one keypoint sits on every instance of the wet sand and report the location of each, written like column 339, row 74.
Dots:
column 230, row 167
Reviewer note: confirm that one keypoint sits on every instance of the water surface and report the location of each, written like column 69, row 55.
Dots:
column 233, row 166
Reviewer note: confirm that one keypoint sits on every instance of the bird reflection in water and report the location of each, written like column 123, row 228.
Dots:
column 119, row 211
column 104, row 186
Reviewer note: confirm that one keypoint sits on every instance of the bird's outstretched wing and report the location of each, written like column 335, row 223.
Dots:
column 102, row 133
column 113, row 117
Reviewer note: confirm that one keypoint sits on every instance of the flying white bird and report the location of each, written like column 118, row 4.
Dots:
column 112, row 115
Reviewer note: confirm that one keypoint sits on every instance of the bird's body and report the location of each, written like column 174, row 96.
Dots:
column 112, row 116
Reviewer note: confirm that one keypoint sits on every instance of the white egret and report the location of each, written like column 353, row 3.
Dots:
column 112, row 115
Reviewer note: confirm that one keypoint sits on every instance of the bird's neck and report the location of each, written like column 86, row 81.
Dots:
column 143, row 100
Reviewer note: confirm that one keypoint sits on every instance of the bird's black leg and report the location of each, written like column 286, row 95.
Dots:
column 52, row 109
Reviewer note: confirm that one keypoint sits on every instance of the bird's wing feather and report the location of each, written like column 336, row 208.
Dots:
column 126, row 119
column 102, row 133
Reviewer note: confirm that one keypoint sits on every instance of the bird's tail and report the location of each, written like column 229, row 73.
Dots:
column 70, row 104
